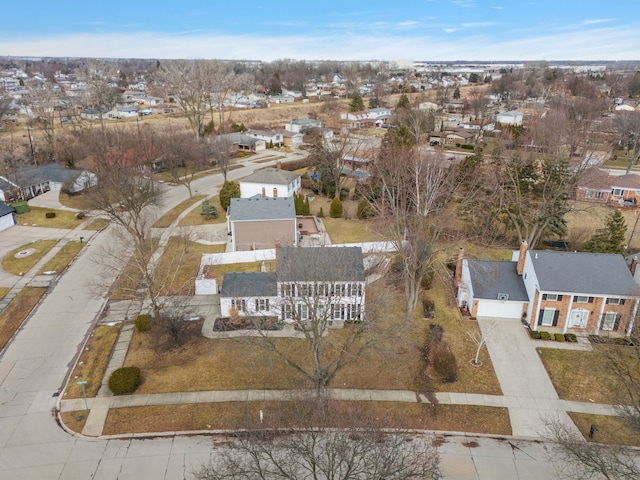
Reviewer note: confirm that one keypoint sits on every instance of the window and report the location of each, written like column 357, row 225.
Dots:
column 288, row 311
column 303, row 312
column 286, row 290
column 262, row 304
column 615, row 301
column 303, row 290
column 239, row 304
column 582, row 299
column 548, row 317
column 611, row 321
column 554, row 297
column 617, row 192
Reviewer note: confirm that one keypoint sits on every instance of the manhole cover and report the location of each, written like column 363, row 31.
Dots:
column 24, row 253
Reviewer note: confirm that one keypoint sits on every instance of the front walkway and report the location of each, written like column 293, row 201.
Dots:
column 523, row 379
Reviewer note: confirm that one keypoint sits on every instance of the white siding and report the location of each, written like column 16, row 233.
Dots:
column 6, row 221
column 500, row 309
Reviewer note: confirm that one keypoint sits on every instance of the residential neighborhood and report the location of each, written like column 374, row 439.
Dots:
column 448, row 249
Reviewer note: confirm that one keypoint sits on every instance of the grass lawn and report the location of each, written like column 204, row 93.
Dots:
column 78, row 201
column 235, row 415
column 20, row 266
column 97, row 224
column 194, row 217
column 35, row 217
column 63, row 258
column 180, row 263
column 17, row 311
column 4, row 291
column 585, row 376
column 124, row 288
column 75, row 420
column 168, row 218
column 612, row 430
column 92, row 363
column 341, row 230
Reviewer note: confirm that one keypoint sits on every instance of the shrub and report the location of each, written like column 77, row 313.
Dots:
column 559, row 337
column 570, row 337
column 50, row 215
column 545, row 336
column 444, row 362
column 228, row 191
column 335, row 210
column 143, row 322
column 620, row 341
column 534, row 334
column 364, row 209
column 80, row 215
column 124, row 380
column 321, row 213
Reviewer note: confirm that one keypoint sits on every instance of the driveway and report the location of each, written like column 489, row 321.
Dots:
column 531, row 397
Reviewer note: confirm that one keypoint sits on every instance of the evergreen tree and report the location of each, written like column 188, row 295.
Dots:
column 306, row 208
column 403, row 103
column 335, row 209
column 456, row 93
column 357, row 104
column 228, row 191
column 208, row 210
column 298, row 203
column 321, row 213
column 610, row 239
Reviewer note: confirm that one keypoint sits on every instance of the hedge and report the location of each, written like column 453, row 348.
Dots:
column 143, row 322
column 124, row 380
column 545, row 336
column 559, row 337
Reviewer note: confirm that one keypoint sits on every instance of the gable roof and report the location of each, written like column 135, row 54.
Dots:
column 272, row 176
column 597, row 179
column 489, row 278
column 249, row 284
column 585, row 273
column 320, row 264
column 51, row 172
column 259, row 208
column 5, row 209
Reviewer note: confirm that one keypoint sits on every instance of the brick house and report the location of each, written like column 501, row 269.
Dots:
column 601, row 187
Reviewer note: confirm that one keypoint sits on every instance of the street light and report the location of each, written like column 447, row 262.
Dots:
column 84, row 393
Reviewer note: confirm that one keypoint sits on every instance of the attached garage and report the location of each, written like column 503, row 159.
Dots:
column 7, row 216
column 500, row 309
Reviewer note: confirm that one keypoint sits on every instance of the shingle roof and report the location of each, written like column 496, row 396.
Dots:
column 249, row 284
column 320, row 264
column 586, row 273
column 489, row 278
column 5, row 209
column 271, row 176
column 51, row 172
column 258, row 208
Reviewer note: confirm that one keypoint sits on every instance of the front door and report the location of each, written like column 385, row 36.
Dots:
column 579, row 318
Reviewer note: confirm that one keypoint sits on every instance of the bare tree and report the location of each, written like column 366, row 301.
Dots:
column 354, row 453
column 6, row 104
column 43, row 102
column 103, row 93
column 628, row 127
column 182, row 156
column 228, row 84
column 332, row 156
column 223, row 150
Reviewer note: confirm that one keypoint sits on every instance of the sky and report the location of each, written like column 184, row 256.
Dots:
column 436, row 30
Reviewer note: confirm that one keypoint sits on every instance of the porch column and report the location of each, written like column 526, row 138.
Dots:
column 600, row 315
column 634, row 311
column 568, row 318
column 536, row 312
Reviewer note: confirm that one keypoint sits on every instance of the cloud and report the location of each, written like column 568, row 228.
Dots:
column 478, row 24
column 595, row 44
column 408, row 24
column 464, row 3
column 597, row 21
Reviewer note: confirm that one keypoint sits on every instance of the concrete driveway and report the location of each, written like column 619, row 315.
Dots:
column 523, row 378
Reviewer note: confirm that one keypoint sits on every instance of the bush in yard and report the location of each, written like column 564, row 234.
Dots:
column 50, row 215
column 80, row 215
column 124, row 380
column 321, row 213
column 143, row 322
column 534, row 334
column 545, row 336
column 559, row 337
column 364, row 209
column 570, row 337
column 228, row 191
column 444, row 362
column 335, row 210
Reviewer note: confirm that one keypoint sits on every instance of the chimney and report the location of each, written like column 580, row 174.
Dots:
column 264, row 192
column 521, row 257
column 634, row 265
column 458, row 276
column 275, row 192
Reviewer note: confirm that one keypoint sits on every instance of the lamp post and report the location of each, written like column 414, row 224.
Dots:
column 84, row 393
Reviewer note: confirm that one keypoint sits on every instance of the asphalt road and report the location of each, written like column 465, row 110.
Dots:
column 35, row 365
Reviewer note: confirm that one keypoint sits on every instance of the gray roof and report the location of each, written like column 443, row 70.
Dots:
column 271, row 176
column 51, row 172
column 320, row 264
column 258, row 208
column 249, row 284
column 5, row 209
column 489, row 278
column 587, row 273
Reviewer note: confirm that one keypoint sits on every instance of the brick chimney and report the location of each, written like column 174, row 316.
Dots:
column 264, row 192
column 521, row 257
column 634, row 265
column 458, row 277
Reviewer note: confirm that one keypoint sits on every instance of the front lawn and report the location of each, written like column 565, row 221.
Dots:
column 36, row 217
column 17, row 311
column 168, row 218
column 63, row 258
column 611, row 430
column 21, row 265
column 194, row 218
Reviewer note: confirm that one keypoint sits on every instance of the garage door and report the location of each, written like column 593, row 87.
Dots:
column 499, row 309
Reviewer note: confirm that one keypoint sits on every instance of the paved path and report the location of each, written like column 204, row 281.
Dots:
column 523, row 379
